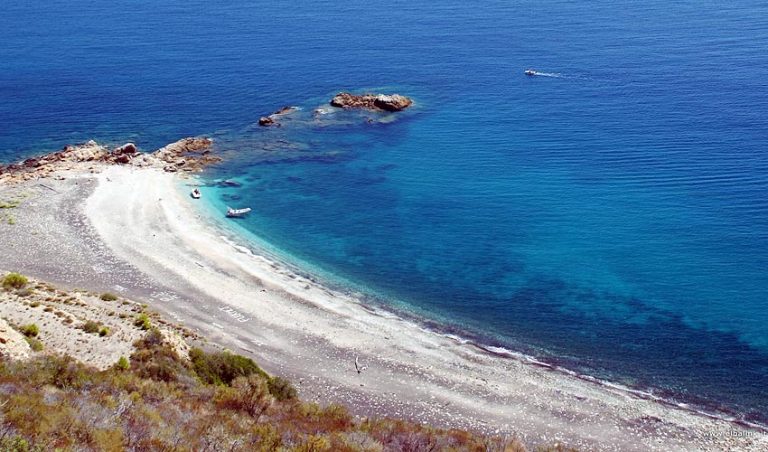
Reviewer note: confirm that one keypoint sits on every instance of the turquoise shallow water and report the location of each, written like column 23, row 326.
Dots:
column 611, row 217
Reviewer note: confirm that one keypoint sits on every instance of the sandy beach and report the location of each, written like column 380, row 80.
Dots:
column 136, row 232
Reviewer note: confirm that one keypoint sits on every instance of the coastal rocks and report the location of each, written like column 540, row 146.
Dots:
column 188, row 154
column 393, row 102
column 266, row 121
column 285, row 111
column 349, row 100
column 86, row 152
column 31, row 163
column 272, row 120
column 127, row 148
column 183, row 146
column 122, row 159
column 123, row 154
column 70, row 157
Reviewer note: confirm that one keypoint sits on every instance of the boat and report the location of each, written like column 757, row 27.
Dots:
column 195, row 194
column 530, row 72
column 236, row 213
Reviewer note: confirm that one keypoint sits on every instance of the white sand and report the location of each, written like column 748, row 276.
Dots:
column 312, row 334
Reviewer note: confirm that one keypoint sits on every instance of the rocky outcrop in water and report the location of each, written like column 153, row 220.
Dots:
column 386, row 102
column 394, row 102
column 272, row 120
column 188, row 154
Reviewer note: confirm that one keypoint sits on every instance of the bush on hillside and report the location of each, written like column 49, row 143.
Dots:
column 54, row 403
column 30, row 330
column 281, row 389
column 142, row 321
column 91, row 327
column 221, row 368
column 122, row 364
column 34, row 344
column 247, row 394
column 106, row 296
column 156, row 360
column 14, row 281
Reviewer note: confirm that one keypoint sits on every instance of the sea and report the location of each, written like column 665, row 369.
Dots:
column 608, row 215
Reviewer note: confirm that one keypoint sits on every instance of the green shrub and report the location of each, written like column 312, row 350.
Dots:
column 104, row 331
column 156, row 360
column 281, row 389
column 30, row 330
column 122, row 364
column 16, row 444
column 247, row 394
column 91, row 327
column 106, row 296
column 14, row 281
column 222, row 367
column 35, row 344
column 142, row 321
column 35, row 304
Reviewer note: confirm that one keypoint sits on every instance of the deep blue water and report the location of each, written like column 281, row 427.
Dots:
column 612, row 217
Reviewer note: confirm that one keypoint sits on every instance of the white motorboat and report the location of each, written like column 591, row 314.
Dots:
column 236, row 213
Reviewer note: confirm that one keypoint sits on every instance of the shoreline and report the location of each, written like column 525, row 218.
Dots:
column 300, row 289
column 180, row 264
column 239, row 237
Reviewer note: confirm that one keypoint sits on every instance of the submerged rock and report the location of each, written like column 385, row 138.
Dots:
column 266, row 121
column 288, row 109
column 272, row 119
column 229, row 183
column 387, row 102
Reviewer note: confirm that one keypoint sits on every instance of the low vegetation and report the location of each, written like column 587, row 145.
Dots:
column 30, row 330
column 9, row 204
column 142, row 321
column 35, row 344
column 106, row 296
column 216, row 401
column 14, row 281
column 91, row 327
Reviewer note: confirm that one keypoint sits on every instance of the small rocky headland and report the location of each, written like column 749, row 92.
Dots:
column 186, row 155
column 381, row 103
